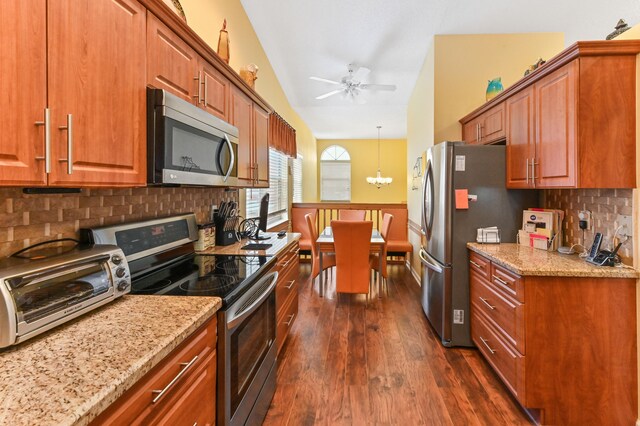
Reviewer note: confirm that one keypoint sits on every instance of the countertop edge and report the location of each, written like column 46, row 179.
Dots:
column 625, row 272
column 88, row 411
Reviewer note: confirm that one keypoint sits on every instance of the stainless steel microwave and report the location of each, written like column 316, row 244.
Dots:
column 187, row 145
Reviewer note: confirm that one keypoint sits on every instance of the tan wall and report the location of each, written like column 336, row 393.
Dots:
column 364, row 159
column 465, row 63
column 205, row 17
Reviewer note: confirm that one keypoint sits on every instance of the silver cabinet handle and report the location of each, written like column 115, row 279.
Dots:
column 477, row 132
column 475, row 264
column 500, row 281
column 534, row 163
column 185, row 367
column 291, row 283
column 233, row 158
column 47, row 140
column 487, row 303
column 480, row 131
column 486, row 343
column 527, row 171
column 69, row 129
column 204, row 81
column 198, row 96
column 291, row 317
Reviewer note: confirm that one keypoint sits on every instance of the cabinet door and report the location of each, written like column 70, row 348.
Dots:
column 98, row 80
column 471, row 132
column 556, row 111
column 492, row 127
column 520, row 138
column 172, row 64
column 241, row 117
column 261, row 142
column 23, row 84
column 215, row 91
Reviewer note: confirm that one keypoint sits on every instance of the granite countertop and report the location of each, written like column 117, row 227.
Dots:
column 277, row 244
column 68, row 375
column 529, row 261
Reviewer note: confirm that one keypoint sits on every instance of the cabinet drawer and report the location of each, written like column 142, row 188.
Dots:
column 285, row 259
column 507, row 362
column 137, row 406
column 507, row 281
column 194, row 403
column 480, row 265
column 285, row 322
column 502, row 310
column 286, row 286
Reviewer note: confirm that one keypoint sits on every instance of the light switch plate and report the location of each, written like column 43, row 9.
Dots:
column 626, row 222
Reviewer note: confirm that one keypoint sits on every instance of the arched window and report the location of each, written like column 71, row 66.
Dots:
column 335, row 174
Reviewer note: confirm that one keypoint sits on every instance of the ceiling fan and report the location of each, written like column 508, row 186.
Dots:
column 352, row 83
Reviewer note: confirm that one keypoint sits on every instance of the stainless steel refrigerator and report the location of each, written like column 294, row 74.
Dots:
column 447, row 227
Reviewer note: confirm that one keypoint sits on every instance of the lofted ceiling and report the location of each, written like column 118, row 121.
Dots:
column 304, row 38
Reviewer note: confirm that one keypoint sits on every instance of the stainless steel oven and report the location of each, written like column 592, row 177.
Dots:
column 247, row 351
column 187, row 145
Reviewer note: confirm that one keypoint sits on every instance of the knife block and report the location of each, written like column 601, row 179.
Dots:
column 226, row 230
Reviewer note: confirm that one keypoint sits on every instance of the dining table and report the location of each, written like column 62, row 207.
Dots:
column 326, row 244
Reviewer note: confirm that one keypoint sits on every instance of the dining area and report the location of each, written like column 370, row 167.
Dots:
column 348, row 246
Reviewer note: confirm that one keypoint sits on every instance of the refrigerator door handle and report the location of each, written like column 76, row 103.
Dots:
column 430, row 262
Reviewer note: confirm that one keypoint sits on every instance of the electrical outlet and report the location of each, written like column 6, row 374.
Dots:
column 626, row 224
column 584, row 219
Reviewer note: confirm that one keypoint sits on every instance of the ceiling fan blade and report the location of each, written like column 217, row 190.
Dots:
column 360, row 74
column 378, row 86
column 324, row 80
column 326, row 95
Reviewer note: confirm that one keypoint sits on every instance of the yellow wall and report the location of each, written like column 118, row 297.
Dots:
column 364, row 160
column 205, row 17
column 465, row 63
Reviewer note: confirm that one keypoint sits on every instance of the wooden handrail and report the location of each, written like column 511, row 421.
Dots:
column 329, row 211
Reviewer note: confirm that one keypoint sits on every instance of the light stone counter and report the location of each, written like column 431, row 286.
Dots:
column 529, row 261
column 69, row 375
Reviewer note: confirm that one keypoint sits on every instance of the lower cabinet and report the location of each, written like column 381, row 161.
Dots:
column 286, row 292
column 181, row 389
column 565, row 347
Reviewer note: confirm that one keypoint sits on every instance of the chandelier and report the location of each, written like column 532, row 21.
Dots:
column 379, row 181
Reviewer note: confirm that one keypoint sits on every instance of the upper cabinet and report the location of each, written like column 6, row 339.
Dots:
column 486, row 128
column 571, row 123
column 77, row 100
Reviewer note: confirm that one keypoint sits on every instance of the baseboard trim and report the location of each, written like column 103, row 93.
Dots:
column 416, row 277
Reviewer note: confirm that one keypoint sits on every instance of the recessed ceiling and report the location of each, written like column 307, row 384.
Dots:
column 320, row 38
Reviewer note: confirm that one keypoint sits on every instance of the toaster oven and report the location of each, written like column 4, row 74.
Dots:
column 39, row 294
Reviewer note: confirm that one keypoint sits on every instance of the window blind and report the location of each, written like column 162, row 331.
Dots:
column 335, row 179
column 278, row 196
column 297, row 179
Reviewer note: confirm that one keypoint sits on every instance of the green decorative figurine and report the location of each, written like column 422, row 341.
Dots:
column 494, row 87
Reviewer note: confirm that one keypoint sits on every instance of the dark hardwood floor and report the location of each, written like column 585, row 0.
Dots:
column 349, row 361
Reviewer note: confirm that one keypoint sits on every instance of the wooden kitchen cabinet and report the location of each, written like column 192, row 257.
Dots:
column 190, row 399
column 286, row 292
column 486, row 128
column 215, row 91
column 520, row 111
column 253, row 148
column 91, row 83
column 564, row 346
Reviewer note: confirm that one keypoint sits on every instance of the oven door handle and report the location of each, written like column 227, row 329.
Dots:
column 246, row 304
column 233, row 158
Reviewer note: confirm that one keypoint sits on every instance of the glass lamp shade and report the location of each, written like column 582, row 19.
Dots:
column 379, row 181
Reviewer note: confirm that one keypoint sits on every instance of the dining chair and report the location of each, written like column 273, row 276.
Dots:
column 379, row 262
column 328, row 260
column 398, row 242
column 345, row 214
column 352, row 241
column 299, row 224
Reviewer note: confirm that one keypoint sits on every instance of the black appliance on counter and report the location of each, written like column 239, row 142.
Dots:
column 163, row 262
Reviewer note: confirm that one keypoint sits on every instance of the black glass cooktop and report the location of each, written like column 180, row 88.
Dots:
column 227, row 277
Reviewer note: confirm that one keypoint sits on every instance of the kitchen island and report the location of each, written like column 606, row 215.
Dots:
column 559, row 332
column 72, row 373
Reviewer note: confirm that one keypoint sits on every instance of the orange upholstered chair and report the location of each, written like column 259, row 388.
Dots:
column 345, row 214
column 352, row 241
column 299, row 224
column 387, row 219
column 328, row 260
column 398, row 241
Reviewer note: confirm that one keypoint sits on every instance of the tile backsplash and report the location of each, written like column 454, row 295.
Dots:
column 605, row 205
column 27, row 219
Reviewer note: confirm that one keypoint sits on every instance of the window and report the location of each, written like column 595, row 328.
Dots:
column 278, row 196
column 335, row 174
column 297, row 179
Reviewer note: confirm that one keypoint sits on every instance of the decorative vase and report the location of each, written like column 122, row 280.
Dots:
column 249, row 74
column 223, row 43
column 494, row 87
column 176, row 7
